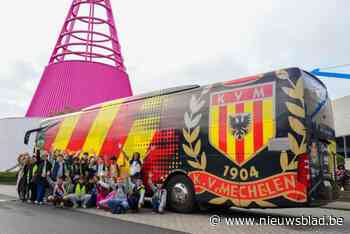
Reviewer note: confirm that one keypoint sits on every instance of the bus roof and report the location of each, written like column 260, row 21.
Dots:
column 128, row 99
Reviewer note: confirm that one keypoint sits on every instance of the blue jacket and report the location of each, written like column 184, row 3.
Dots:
column 55, row 170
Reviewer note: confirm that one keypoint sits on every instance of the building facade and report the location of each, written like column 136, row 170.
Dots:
column 341, row 112
column 12, row 142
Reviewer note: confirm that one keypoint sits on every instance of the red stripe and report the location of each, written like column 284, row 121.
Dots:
column 166, row 144
column 258, row 125
column 81, row 130
column 241, row 80
column 50, row 136
column 240, row 143
column 223, row 128
column 118, row 133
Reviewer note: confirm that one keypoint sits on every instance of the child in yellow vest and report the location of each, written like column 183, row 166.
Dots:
column 80, row 194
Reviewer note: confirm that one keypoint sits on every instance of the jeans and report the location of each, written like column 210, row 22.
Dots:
column 118, row 206
column 40, row 192
column 32, row 190
column 158, row 205
column 133, row 201
column 83, row 199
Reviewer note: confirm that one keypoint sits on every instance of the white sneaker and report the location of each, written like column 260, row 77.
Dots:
column 84, row 206
column 36, row 202
column 40, row 203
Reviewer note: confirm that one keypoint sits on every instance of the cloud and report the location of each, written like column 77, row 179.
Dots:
column 214, row 70
column 17, row 88
column 173, row 43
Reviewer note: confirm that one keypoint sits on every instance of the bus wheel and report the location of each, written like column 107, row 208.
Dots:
column 181, row 196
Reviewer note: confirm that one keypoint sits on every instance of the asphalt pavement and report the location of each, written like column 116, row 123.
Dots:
column 16, row 217
column 21, row 218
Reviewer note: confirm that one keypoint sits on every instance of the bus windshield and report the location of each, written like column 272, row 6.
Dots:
column 318, row 105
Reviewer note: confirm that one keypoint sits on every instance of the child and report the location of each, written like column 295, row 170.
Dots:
column 92, row 167
column 75, row 169
column 59, row 191
column 24, row 177
column 100, row 167
column 59, row 168
column 159, row 195
column 135, row 164
column 118, row 202
column 80, row 194
column 102, row 189
column 32, row 170
column 136, row 195
column 92, row 188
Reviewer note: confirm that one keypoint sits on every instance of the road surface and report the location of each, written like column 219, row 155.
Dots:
column 19, row 218
column 16, row 217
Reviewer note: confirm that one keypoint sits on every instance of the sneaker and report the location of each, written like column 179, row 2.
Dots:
column 75, row 206
column 84, row 206
column 36, row 202
column 62, row 204
column 41, row 203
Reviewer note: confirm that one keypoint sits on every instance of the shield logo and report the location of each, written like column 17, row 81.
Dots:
column 242, row 120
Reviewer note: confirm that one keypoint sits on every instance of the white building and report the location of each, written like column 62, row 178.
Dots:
column 12, row 132
column 341, row 112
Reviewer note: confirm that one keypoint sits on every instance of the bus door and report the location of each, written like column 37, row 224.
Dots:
column 321, row 165
column 320, row 134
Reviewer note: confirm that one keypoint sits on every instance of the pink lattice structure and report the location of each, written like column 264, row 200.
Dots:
column 86, row 66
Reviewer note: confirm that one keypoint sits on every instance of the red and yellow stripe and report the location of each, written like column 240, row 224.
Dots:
column 100, row 130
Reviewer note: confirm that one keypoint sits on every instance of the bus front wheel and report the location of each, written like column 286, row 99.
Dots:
column 181, row 196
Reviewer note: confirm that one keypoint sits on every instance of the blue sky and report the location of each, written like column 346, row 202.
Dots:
column 169, row 43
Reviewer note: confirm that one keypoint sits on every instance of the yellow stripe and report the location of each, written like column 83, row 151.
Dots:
column 65, row 132
column 99, row 129
column 231, row 142
column 214, row 125
column 268, row 120
column 249, row 138
column 141, row 133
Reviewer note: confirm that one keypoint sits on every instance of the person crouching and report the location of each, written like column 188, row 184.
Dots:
column 119, row 203
column 57, row 198
column 159, row 195
column 80, row 194
column 136, row 194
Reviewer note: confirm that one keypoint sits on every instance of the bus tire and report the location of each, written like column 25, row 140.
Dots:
column 181, row 195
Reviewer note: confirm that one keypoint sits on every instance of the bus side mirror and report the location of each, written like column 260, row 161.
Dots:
column 26, row 137
column 28, row 133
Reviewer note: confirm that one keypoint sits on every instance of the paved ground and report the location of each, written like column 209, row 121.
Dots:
column 18, row 218
column 193, row 223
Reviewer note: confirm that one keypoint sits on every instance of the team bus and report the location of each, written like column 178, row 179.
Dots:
column 258, row 142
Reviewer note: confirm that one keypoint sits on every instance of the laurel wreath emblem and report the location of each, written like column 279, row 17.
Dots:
column 193, row 147
column 297, row 111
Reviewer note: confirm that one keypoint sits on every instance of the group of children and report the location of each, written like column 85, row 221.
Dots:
column 86, row 181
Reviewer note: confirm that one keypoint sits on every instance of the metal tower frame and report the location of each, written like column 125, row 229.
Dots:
column 85, row 41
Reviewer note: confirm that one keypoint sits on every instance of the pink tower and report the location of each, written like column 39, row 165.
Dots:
column 86, row 66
